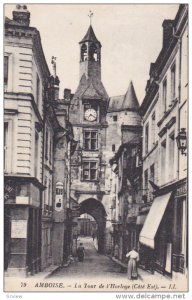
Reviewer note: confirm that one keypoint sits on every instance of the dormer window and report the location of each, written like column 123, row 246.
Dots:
column 93, row 55
column 83, row 52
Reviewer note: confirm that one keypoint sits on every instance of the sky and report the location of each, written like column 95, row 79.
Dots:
column 130, row 34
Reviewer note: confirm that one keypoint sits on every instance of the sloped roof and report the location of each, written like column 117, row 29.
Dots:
column 90, row 85
column 130, row 101
column 91, row 92
column 11, row 22
column 90, row 36
column 124, row 102
column 115, row 103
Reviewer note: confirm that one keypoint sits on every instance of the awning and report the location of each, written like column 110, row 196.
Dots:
column 153, row 220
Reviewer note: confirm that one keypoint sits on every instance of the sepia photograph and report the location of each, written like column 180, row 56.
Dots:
column 95, row 147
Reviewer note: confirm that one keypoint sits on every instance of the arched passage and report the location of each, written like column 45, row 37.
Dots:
column 96, row 210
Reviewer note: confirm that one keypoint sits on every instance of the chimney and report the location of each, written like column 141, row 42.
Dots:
column 21, row 15
column 167, row 32
column 67, row 94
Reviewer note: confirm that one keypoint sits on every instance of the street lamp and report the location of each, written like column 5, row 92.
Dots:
column 182, row 141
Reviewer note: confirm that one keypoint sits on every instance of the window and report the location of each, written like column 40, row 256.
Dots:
column 152, row 178
column 36, row 164
column 153, row 129
column 173, row 81
column 50, row 192
column 6, row 61
column 115, row 118
column 146, row 183
column 90, row 140
column 46, row 143
column 89, row 170
column 93, row 52
column 163, row 161
column 50, row 150
column 83, row 52
column 164, row 94
column 146, row 138
column 46, row 192
column 113, row 148
column 8, row 145
column 37, row 89
column 152, row 173
column 171, row 155
column 5, row 145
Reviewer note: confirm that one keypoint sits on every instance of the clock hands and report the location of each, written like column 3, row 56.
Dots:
column 92, row 116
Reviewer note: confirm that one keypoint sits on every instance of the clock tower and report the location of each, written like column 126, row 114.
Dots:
column 87, row 114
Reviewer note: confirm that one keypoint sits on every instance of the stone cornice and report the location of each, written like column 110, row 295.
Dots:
column 26, row 178
column 90, row 125
column 33, row 34
column 23, row 97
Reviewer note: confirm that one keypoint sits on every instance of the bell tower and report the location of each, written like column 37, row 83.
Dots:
column 90, row 55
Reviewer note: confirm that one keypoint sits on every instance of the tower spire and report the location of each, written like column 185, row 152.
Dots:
column 90, row 15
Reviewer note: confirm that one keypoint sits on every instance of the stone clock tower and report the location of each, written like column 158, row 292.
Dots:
column 88, row 116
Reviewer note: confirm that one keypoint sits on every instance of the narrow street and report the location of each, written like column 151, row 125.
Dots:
column 93, row 265
column 98, row 265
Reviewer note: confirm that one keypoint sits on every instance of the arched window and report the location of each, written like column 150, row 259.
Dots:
column 83, row 52
column 93, row 55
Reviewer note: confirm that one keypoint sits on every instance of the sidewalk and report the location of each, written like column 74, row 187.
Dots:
column 49, row 271
column 45, row 273
column 145, row 274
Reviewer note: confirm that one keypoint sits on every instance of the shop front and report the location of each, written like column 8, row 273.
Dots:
column 180, row 230
column 156, row 234
column 165, row 230
column 22, row 221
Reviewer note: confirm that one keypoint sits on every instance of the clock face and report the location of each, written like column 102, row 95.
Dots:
column 90, row 115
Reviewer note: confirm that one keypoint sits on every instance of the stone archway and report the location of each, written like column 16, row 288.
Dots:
column 96, row 209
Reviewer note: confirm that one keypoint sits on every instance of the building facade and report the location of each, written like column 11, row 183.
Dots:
column 25, row 73
column 164, row 112
column 38, row 216
column 88, row 116
column 127, row 174
column 122, row 118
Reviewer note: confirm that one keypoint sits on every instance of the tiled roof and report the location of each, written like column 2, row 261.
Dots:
column 88, row 87
column 125, row 102
column 11, row 22
column 91, row 92
column 90, row 36
column 115, row 103
column 130, row 101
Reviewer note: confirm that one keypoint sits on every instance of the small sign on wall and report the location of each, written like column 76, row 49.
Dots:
column 19, row 229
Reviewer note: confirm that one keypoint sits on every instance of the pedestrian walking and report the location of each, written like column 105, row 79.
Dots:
column 80, row 252
column 133, row 256
column 116, row 251
column 93, row 236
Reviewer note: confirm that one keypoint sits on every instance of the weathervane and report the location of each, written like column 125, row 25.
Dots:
column 90, row 15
